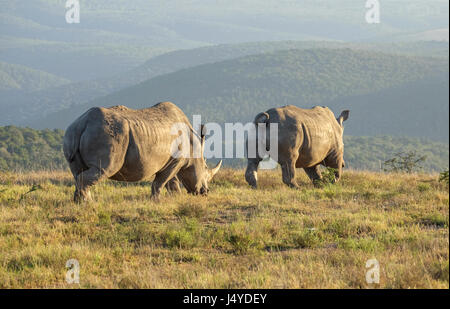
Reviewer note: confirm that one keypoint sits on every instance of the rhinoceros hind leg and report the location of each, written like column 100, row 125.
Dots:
column 288, row 173
column 251, row 173
column 84, row 181
column 314, row 174
column 173, row 185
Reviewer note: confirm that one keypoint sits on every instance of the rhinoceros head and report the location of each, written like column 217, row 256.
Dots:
column 197, row 175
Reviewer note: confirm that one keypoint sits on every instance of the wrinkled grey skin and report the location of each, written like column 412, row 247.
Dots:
column 307, row 138
column 132, row 145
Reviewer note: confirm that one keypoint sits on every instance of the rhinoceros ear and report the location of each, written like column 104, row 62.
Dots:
column 202, row 131
column 202, row 137
column 261, row 118
column 344, row 116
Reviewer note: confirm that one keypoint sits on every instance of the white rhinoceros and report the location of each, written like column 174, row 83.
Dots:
column 132, row 145
column 307, row 138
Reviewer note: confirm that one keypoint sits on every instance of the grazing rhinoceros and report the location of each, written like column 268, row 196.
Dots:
column 132, row 145
column 306, row 139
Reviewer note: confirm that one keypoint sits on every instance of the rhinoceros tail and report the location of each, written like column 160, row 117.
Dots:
column 261, row 118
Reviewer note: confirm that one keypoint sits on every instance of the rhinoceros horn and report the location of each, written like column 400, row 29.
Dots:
column 202, row 136
column 214, row 171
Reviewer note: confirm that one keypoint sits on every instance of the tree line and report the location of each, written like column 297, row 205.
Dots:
column 25, row 149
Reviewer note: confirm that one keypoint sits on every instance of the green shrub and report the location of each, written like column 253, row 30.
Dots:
column 443, row 177
column 423, row 187
column 187, row 236
column 241, row 243
column 407, row 162
column 308, row 238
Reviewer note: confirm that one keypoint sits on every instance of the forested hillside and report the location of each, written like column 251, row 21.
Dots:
column 404, row 88
column 369, row 153
column 27, row 149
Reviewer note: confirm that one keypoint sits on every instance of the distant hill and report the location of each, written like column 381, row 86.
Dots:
column 24, row 149
column 18, row 81
column 19, row 77
column 235, row 90
column 439, row 35
column 419, row 108
column 75, row 61
column 57, row 98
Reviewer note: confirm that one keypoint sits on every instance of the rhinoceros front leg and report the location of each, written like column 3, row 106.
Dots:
column 337, row 164
column 314, row 174
column 84, row 181
column 338, row 170
column 162, row 178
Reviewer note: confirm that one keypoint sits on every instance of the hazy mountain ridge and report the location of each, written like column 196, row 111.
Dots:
column 235, row 90
column 114, row 34
column 54, row 99
column 19, row 77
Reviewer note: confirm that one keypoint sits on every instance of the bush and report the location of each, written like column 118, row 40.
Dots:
column 328, row 177
column 404, row 162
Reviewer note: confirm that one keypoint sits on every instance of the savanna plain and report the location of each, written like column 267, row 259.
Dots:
column 236, row 237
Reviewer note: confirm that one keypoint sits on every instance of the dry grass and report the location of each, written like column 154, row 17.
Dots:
column 273, row 237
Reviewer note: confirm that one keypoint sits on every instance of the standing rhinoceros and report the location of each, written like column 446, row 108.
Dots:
column 306, row 139
column 132, row 145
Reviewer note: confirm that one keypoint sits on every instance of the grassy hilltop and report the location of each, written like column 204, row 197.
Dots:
column 273, row 237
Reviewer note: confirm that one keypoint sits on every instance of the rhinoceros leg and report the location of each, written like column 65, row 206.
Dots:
column 338, row 171
column 288, row 173
column 251, row 173
column 314, row 174
column 84, row 181
column 163, row 177
column 337, row 164
column 173, row 185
